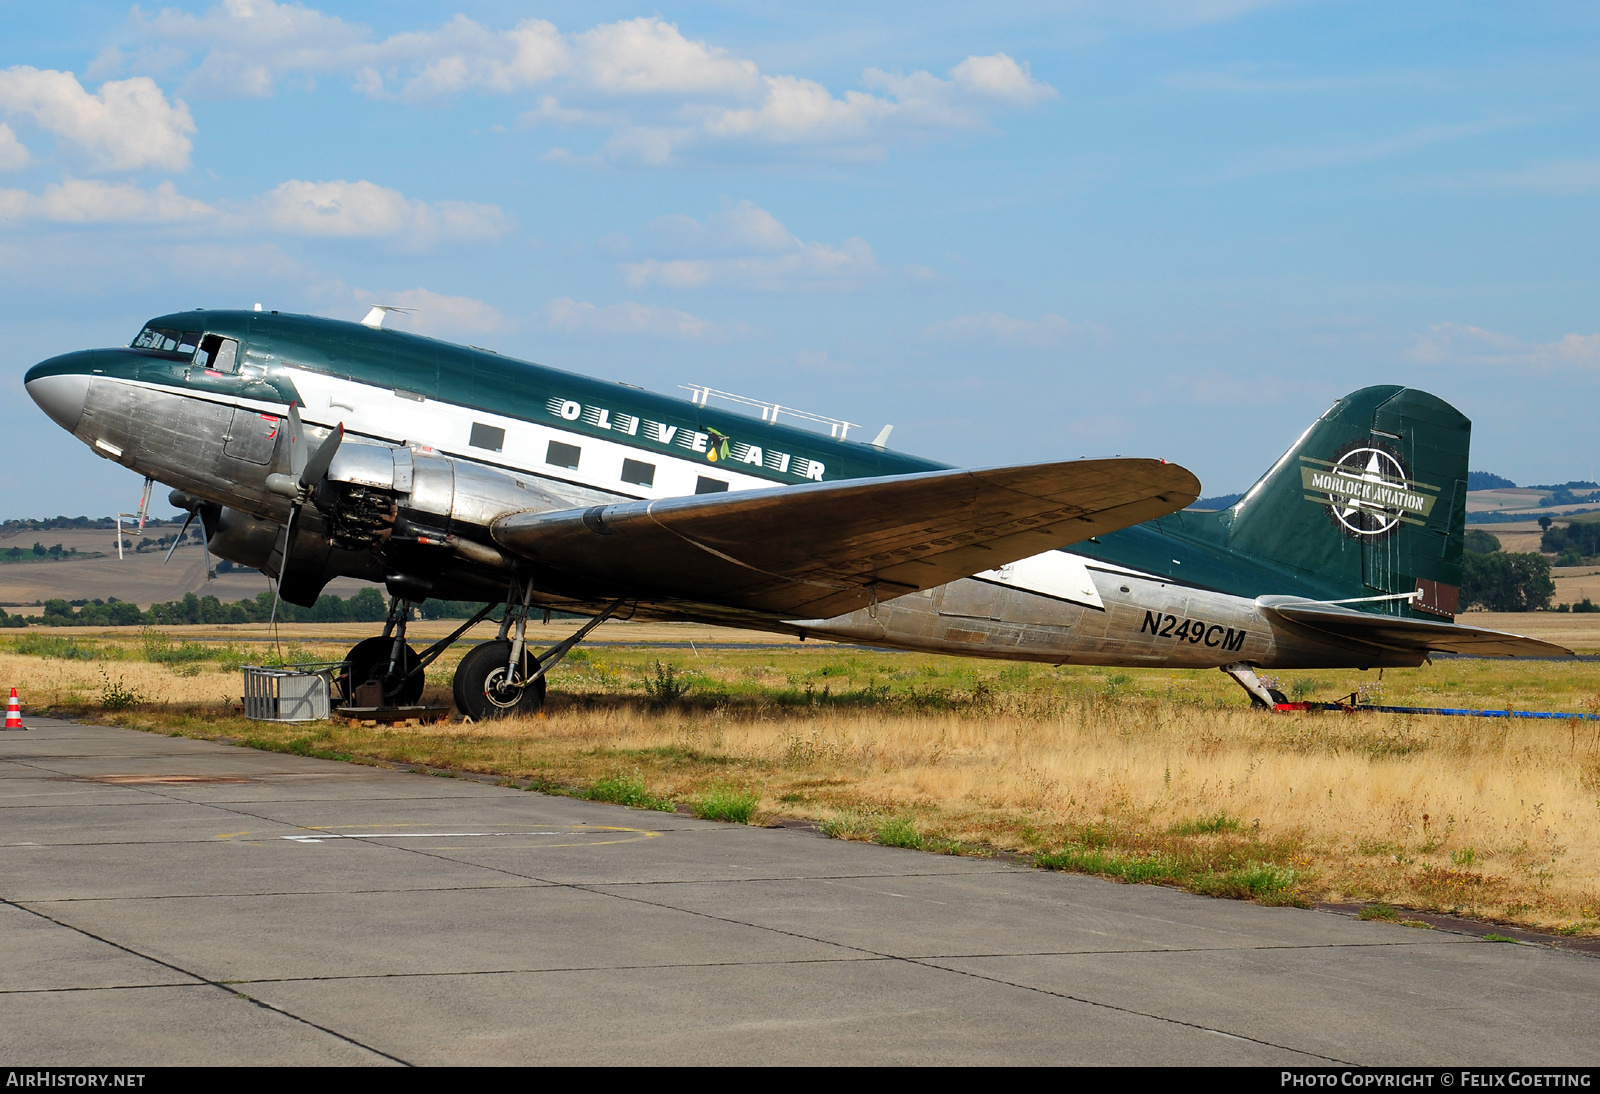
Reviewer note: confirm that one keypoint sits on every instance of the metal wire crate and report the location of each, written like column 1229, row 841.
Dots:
column 291, row 693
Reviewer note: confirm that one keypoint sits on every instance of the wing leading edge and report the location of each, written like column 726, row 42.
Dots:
column 1395, row 632
column 823, row 549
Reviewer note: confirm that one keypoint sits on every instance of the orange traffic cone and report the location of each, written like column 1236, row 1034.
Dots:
column 14, row 712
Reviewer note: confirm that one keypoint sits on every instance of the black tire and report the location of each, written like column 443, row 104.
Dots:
column 478, row 689
column 369, row 660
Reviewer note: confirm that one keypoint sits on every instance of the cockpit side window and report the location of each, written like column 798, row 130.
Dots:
column 218, row 354
column 168, row 341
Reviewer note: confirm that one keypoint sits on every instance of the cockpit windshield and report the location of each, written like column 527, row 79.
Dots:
column 168, row 341
column 216, row 353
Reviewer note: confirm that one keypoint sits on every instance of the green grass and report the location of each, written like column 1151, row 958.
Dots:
column 627, row 790
column 1254, row 880
column 59, row 647
column 899, row 832
column 1381, row 912
column 668, row 685
column 1134, row 869
column 722, row 804
column 161, row 649
column 847, row 825
column 1206, row 826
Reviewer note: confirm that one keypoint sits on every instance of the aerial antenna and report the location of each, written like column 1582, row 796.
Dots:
column 882, row 439
column 376, row 316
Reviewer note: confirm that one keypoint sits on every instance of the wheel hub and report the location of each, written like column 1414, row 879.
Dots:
column 503, row 689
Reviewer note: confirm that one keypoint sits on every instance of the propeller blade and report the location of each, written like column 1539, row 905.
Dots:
column 179, row 539
column 283, row 563
column 288, row 539
column 297, row 442
column 205, row 545
column 317, row 465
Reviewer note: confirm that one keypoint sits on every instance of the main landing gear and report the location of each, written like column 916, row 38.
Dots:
column 501, row 678
column 1261, row 696
column 494, row 680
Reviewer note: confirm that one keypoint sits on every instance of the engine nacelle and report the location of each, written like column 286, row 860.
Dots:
column 370, row 486
column 243, row 539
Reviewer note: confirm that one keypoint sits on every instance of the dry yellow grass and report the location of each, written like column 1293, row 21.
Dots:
column 1146, row 775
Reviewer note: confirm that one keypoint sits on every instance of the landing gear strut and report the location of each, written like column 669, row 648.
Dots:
column 499, row 678
column 494, row 680
column 392, row 665
column 1261, row 696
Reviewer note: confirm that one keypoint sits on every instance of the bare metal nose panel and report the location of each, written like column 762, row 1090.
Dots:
column 62, row 397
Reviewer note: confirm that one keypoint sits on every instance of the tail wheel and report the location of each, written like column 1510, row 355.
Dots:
column 483, row 689
column 369, row 660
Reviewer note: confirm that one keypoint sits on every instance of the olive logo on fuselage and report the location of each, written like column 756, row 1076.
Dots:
column 1368, row 491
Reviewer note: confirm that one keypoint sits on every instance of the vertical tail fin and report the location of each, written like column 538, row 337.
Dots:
column 1370, row 501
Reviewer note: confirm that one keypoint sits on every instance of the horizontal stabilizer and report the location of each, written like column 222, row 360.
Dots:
column 823, row 549
column 1403, row 633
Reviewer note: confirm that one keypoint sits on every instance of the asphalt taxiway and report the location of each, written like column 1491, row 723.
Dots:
column 170, row 901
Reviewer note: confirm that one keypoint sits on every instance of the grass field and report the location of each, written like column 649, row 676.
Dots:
column 1144, row 775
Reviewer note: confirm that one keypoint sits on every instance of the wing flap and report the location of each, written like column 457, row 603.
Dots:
column 1401, row 633
column 822, row 549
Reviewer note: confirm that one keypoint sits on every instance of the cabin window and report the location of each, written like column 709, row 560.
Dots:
column 491, row 437
column 638, row 472
column 709, row 486
column 168, row 341
column 218, row 354
column 562, row 455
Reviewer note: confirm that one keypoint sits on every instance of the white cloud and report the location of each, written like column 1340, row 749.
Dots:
column 744, row 228
column 126, row 125
column 13, row 156
column 1566, row 177
column 1002, row 329
column 337, row 209
column 1000, row 78
column 745, row 247
column 438, row 315
column 659, row 92
column 1456, row 344
column 629, row 318
column 796, row 111
column 650, row 57
column 89, row 201
column 251, row 44
column 462, row 55
column 365, row 210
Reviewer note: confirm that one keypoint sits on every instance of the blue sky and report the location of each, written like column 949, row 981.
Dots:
column 1174, row 229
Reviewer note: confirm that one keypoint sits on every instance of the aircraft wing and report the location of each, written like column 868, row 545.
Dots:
column 1394, row 632
column 822, row 549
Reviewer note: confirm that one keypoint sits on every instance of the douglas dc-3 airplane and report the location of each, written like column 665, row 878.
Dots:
column 311, row 448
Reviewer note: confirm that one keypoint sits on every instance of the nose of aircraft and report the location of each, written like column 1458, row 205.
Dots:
column 60, row 386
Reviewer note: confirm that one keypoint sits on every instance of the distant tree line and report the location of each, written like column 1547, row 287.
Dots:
column 51, row 524
column 1482, row 480
column 1571, row 543
column 1219, row 501
column 39, row 551
column 1502, row 516
column 366, row 606
column 1499, row 582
